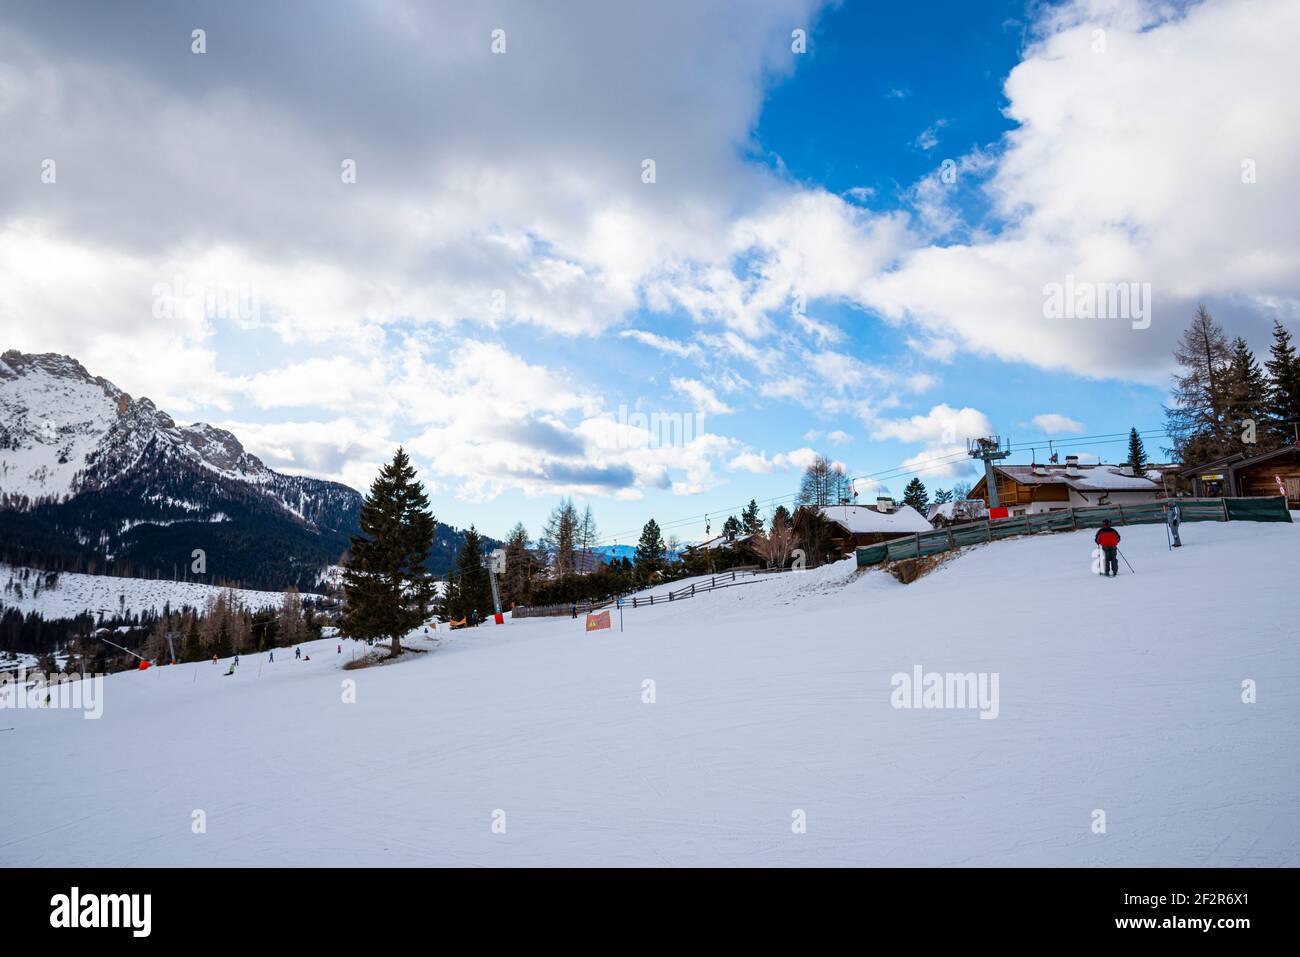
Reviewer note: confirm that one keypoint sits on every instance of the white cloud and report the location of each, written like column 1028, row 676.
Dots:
column 1137, row 179
column 662, row 343
column 1053, row 423
column 758, row 462
column 928, row 138
column 705, row 399
column 942, row 433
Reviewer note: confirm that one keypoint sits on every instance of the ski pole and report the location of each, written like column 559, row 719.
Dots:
column 1121, row 555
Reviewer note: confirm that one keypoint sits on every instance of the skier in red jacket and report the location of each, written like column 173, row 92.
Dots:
column 1108, row 539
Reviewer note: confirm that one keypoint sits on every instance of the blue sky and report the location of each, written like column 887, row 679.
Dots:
column 500, row 279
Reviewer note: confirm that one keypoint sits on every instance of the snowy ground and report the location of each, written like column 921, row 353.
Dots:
column 76, row 593
column 1120, row 695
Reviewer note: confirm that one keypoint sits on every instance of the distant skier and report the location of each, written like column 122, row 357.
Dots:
column 297, row 652
column 271, row 656
column 236, row 662
column 1174, row 516
column 214, row 659
column 1108, row 539
column 340, row 651
column 575, row 609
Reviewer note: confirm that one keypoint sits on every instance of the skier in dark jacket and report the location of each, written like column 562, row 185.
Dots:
column 1108, row 539
column 1174, row 516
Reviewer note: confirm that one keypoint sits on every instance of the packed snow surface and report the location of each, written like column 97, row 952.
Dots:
column 772, row 705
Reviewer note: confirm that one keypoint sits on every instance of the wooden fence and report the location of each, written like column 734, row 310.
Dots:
column 727, row 579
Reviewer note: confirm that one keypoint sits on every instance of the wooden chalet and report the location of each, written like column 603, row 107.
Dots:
column 871, row 524
column 1033, row 489
column 1270, row 473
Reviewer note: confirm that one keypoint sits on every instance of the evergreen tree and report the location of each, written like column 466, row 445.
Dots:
column 731, row 527
column 1247, row 393
column 193, row 648
column 650, row 549
column 519, row 567
column 387, row 585
column 749, row 519
column 942, row 496
column 1137, row 453
column 473, row 593
column 916, row 496
column 780, row 517
column 1283, row 402
column 223, row 647
column 1196, row 421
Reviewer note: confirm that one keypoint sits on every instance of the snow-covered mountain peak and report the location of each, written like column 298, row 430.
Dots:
column 64, row 431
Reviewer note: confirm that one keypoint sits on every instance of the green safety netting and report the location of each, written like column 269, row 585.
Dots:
column 1258, row 509
column 1193, row 510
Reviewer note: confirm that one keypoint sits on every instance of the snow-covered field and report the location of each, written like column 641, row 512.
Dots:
column 76, row 593
column 772, row 704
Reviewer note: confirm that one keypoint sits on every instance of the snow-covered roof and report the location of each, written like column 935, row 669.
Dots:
column 966, row 507
column 722, row 541
column 865, row 519
column 1091, row 478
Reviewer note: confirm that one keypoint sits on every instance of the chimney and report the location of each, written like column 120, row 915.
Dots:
column 884, row 503
column 1126, row 469
column 1072, row 465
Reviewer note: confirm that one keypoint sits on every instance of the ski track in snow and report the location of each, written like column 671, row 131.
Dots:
column 1115, row 694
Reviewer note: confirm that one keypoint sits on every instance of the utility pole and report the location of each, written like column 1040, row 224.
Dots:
column 989, row 450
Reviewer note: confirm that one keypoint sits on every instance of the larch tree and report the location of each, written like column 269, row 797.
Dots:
column 1196, row 421
column 817, row 487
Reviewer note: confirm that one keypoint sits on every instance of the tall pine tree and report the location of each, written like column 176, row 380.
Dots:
column 472, row 596
column 650, row 549
column 1137, row 453
column 916, row 496
column 1247, row 396
column 386, row 583
column 1283, row 403
column 519, row 567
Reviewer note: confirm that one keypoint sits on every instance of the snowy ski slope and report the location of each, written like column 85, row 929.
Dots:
column 772, row 699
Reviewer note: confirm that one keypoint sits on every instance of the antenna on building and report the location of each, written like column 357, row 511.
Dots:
column 989, row 449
